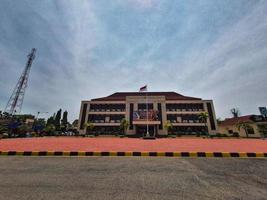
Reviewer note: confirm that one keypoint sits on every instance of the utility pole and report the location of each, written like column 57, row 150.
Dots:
column 16, row 99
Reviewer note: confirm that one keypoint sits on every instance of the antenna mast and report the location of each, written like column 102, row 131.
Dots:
column 16, row 100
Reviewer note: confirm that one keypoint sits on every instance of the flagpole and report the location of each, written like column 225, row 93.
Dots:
column 147, row 133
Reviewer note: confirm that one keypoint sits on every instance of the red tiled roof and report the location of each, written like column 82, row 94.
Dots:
column 121, row 96
column 235, row 120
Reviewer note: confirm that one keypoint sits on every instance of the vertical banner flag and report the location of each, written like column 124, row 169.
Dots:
column 143, row 89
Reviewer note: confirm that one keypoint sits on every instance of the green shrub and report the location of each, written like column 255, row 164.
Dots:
column 178, row 134
column 218, row 135
column 96, row 134
column 235, row 134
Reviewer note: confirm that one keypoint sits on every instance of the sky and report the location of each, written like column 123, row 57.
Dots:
column 210, row 49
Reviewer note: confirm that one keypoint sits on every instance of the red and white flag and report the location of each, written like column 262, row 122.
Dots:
column 143, row 89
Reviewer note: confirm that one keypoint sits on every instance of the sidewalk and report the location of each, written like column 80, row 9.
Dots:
column 133, row 144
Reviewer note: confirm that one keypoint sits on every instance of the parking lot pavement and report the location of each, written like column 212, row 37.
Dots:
column 132, row 178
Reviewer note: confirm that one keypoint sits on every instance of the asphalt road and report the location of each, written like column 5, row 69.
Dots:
column 132, row 178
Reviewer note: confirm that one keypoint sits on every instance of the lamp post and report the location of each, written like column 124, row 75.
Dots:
column 38, row 113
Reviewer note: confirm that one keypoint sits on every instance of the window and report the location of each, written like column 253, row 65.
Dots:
column 250, row 130
column 179, row 119
column 107, row 119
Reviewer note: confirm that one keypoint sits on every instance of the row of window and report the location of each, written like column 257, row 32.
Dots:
column 188, row 130
column 105, row 118
column 140, row 109
column 250, row 131
column 178, row 118
column 105, row 130
column 142, row 106
column 182, row 110
column 180, row 106
column 107, row 110
column 185, row 121
column 105, row 121
column 111, row 130
column 107, row 107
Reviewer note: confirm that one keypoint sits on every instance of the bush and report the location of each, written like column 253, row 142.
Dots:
column 218, row 135
column 96, row 134
column 235, row 134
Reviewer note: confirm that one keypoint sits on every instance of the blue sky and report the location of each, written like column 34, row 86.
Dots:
column 87, row 49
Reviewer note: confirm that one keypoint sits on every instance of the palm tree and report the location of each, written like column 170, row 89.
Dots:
column 168, row 125
column 89, row 126
column 245, row 126
column 235, row 112
column 124, row 125
column 203, row 118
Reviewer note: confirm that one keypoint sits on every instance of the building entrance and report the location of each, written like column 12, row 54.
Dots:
column 142, row 130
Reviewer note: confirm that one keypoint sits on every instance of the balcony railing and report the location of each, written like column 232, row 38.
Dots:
column 186, row 121
column 107, row 110
column 104, row 121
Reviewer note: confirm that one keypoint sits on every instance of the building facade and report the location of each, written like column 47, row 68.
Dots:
column 255, row 122
column 181, row 111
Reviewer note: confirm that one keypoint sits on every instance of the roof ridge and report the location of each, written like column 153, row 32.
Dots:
column 169, row 96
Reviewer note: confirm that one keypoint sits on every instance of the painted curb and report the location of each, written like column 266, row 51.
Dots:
column 138, row 154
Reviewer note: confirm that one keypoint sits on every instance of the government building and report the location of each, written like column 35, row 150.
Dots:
column 147, row 111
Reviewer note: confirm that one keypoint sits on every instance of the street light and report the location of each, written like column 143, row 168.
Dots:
column 38, row 113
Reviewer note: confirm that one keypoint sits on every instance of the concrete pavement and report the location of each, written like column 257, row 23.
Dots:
column 132, row 178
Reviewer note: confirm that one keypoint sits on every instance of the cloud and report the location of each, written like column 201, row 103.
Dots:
column 143, row 3
column 207, row 49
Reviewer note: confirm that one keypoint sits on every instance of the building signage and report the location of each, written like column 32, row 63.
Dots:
column 151, row 115
column 263, row 111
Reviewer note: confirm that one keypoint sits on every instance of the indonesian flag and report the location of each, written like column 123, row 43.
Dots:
column 143, row 89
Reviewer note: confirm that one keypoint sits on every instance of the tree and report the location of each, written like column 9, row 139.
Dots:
column 39, row 124
column 124, row 125
column 235, row 112
column 262, row 128
column 75, row 123
column 89, row 126
column 50, row 121
column 3, row 129
column 168, row 125
column 50, row 129
column 64, row 121
column 245, row 126
column 57, row 120
column 203, row 116
column 23, row 129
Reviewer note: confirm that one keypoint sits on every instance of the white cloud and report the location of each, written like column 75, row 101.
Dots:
column 229, row 69
column 143, row 3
